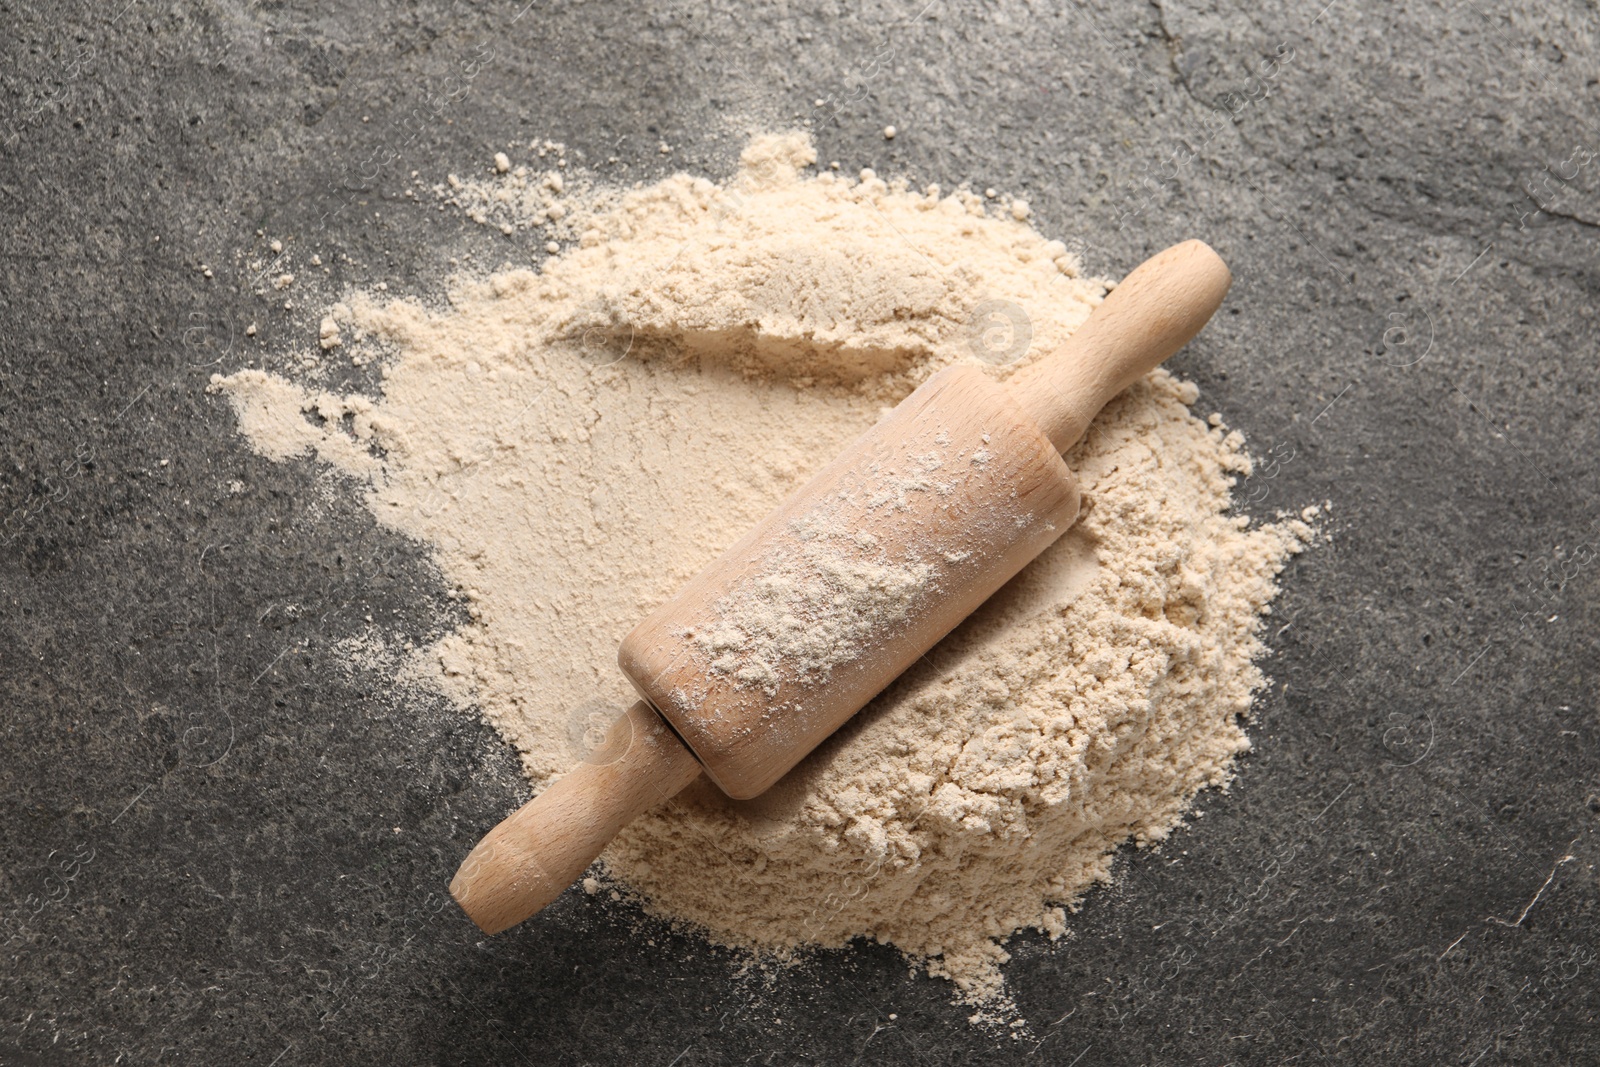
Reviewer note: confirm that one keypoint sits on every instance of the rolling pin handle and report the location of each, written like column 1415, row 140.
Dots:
column 544, row 846
column 1151, row 314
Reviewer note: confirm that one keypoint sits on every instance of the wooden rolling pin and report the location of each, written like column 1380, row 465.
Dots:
column 771, row 648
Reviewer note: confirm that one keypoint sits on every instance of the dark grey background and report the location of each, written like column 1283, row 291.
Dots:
column 215, row 846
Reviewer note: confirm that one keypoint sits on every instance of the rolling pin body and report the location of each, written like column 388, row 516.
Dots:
column 828, row 599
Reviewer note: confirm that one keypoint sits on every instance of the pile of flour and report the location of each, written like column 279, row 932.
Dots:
column 576, row 440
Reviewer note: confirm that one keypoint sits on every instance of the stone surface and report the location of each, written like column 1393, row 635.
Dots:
column 220, row 847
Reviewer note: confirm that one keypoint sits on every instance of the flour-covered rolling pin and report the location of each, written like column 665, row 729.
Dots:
column 771, row 648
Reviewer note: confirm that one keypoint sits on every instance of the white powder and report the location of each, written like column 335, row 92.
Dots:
column 808, row 609
column 576, row 442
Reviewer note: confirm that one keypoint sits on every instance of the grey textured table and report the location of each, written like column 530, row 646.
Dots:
column 216, row 847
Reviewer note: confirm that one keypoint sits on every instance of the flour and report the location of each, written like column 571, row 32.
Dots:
column 576, row 441
column 808, row 609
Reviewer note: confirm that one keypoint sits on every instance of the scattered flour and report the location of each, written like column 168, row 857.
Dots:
column 575, row 441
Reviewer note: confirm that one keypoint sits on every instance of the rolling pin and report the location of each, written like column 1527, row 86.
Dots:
column 846, row 584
